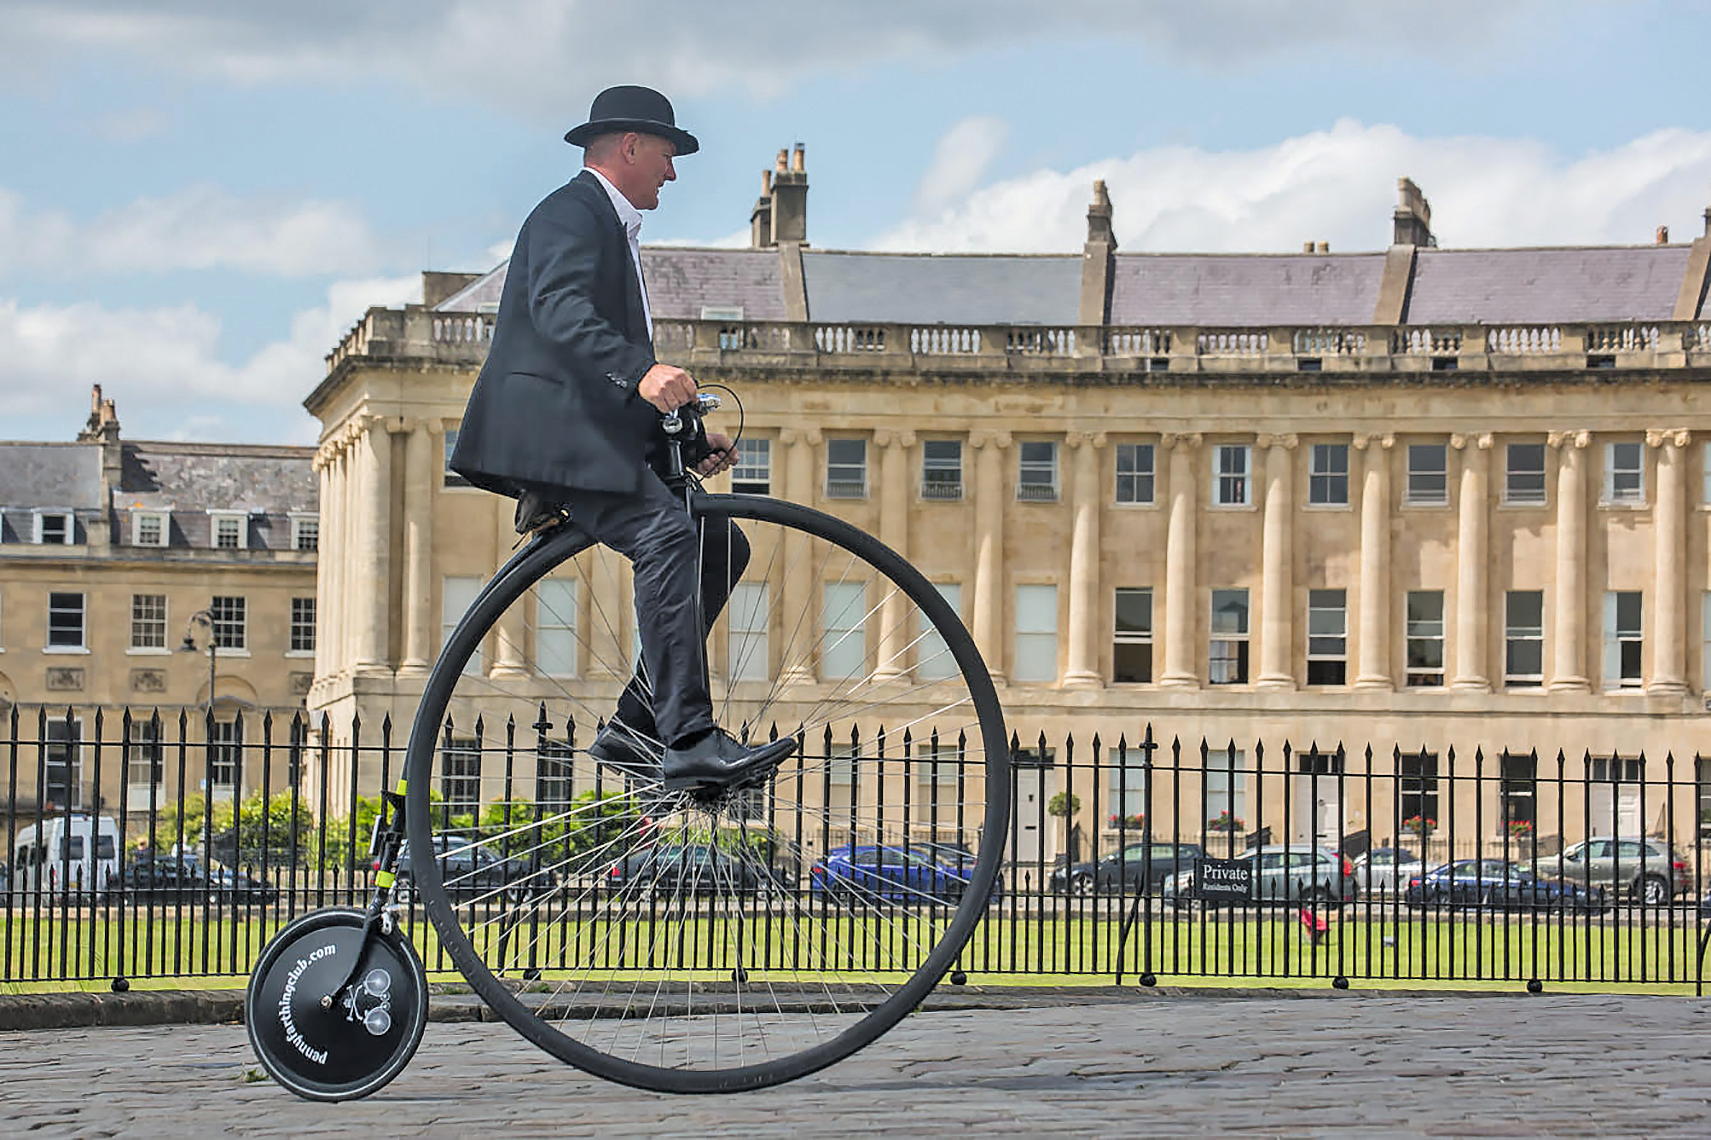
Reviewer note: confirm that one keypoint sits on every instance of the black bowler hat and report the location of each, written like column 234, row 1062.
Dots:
column 632, row 109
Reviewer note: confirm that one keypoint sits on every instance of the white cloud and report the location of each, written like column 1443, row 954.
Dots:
column 163, row 367
column 1338, row 185
column 959, row 160
column 545, row 56
column 197, row 227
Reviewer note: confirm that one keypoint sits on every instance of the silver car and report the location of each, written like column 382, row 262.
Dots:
column 1283, row 874
column 1645, row 870
column 1386, row 870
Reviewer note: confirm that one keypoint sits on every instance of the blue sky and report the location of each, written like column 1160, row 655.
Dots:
column 196, row 198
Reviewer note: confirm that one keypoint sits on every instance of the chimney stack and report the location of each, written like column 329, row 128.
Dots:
column 790, row 197
column 1663, row 235
column 1098, row 261
column 1413, row 216
column 760, row 218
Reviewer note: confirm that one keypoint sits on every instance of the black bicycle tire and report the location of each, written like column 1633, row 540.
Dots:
column 518, row 575
column 276, row 947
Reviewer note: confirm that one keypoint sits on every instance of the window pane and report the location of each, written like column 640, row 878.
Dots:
column 148, row 621
column 65, row 620
column 302, row 625
column 231, row 629
column 1427, row 468
column 1229, row 611
column 555, row 628
column 941, row 469
column 846, row 468
column 749, row 659
column 1328, row 480
column 1036, row 633
column 1135, row 473
column 843, row 645
column 1525, row 476
column 933, row 660
column 752, row 474
column 456, row 596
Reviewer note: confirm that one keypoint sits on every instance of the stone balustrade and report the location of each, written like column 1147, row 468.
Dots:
column 462, row 339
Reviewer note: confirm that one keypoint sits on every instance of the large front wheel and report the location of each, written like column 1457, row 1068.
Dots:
column 696, row 942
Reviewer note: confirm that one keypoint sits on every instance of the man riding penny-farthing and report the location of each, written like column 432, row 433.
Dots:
column 704, row 895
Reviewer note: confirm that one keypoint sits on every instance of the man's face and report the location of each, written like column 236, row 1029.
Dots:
column 651, row 168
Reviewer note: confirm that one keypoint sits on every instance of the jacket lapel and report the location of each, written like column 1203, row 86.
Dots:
column 635, row 319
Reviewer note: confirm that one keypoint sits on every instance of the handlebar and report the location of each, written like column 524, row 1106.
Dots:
column 672, row 422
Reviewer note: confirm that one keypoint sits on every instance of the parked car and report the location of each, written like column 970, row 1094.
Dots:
column 1642, row 869
column 1386, row 870
column 186, row 879
column 691, row 869
column 474, row 872
column 1139, row 866
column 1283, row 874
column 871, row 874
column 1499, row 885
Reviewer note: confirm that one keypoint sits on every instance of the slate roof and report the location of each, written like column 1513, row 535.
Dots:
column 1590, row 283
column 1493, row 286
column 930, row 288
column 65, row 475
column 1245, row 289
column 217, row 476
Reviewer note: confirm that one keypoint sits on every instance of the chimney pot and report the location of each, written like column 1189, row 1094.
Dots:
column 1306, row 247
column 799, row 160
column 783, row 162
column 1324, row 247
column 765, row 183
column 1663, row 235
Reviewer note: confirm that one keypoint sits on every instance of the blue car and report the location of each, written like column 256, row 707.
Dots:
column 875, row 874
column 1495, row 884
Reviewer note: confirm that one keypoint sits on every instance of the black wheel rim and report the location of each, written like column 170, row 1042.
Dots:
column 845, row 1010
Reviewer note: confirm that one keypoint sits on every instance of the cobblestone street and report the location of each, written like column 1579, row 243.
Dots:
column 1355, row 1064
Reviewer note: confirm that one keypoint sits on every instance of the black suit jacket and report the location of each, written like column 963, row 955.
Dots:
column 555, row 405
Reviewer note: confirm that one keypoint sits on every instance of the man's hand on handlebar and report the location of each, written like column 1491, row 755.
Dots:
column 666, row 387
column 724, row 455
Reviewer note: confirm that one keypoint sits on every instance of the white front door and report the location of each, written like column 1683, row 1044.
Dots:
column 1316, row 815
column 1026, row 812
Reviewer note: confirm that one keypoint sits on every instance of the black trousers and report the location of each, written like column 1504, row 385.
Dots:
column 683, row 577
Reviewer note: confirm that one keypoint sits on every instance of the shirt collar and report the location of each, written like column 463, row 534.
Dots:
column 628, row 215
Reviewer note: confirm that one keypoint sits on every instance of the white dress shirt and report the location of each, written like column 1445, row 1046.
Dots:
column 631, row 219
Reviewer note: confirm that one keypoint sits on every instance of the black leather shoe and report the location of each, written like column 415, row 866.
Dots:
column 536, row 512
column 719, row 761
column 625, row 750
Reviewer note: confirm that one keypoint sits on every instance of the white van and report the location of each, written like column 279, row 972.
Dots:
column 78, row 854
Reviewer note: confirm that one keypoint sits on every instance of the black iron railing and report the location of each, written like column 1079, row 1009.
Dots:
column 145, row 844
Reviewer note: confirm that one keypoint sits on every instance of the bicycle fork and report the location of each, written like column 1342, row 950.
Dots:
column 382, row 913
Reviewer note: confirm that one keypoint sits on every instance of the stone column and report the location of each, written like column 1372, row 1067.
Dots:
column 1180, row 556
column 1669, row 540
column 511, row 635
column 1568, row 634
column 1277, row 565
column 323, row 465
column 337, row 548
column 421, row 455
column 374, row 563
column 798, row 603
column 1375, row 602
column 896, row 491
column 1473, row 556
column 1084, row 579
column 989, row 502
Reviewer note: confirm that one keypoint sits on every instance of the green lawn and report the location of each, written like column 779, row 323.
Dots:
column 1058, row 946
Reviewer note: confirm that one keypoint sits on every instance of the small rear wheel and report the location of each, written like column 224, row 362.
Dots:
column 359, row 1043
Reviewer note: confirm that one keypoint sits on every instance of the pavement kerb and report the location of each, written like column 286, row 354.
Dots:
column 216, row 1007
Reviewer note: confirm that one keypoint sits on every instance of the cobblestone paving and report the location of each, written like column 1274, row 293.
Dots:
column 1286, row 1066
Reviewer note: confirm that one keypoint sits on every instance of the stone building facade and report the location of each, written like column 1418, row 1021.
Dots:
column 1415, row 497
column 112, row 553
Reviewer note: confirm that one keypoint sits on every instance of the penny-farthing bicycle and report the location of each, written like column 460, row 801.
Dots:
column 701, row 940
